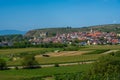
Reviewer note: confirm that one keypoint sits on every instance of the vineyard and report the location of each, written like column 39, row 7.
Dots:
column 69, row 65
column 43, row 72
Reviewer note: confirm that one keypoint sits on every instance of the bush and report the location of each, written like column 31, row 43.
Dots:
column 56, row 65
column 107, row 68
column 2, row 64
column 116, row 54
column 16, row 68
column 29, row 62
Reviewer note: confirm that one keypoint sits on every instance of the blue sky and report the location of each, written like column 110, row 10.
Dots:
column 35, row 14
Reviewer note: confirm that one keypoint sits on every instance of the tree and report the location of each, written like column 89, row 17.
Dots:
column 2, row 64
column 29, row 62
column 107, row 68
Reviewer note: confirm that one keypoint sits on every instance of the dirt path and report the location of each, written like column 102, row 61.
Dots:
column 64, row 53
column 52, row 65
column 110, row 51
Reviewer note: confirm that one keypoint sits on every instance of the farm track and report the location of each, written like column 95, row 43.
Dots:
column 52, row 65
column 110, row 51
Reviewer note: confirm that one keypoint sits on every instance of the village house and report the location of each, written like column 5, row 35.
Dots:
column 87, row 38
column 5, row 43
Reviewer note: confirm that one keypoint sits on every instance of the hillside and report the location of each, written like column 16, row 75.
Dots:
column 54, row 31
column 12, row 37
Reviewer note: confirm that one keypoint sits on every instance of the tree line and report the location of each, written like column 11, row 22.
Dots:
column 26, row 44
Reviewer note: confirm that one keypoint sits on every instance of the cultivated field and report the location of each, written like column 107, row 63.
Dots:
column 60, row 59
column 66, row 59
column 43, row 72
column 24, row 50
column 89, row 53
column 65, row 53
column 94, row 47
column 85, row 54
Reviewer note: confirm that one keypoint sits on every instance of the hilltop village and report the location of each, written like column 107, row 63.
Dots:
column 82, row 38
column 90, row 37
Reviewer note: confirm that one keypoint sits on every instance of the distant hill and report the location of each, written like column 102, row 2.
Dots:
column 53, row 31
column 9, row 32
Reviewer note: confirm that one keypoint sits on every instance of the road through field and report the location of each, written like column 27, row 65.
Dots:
column 52, row 65
column 110, row 51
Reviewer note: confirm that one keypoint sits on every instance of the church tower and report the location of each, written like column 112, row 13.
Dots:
column 91, row 30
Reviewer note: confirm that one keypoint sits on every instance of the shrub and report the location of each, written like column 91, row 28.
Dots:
column 2, row 64
column 107, row 68
column 29, row 62
column 16, row 68
column 56, row 65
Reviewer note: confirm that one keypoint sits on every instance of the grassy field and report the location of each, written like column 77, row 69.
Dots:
column 96, row 47
column 22, row 50
column 94, row 55
column 61, row 59
column 50, row 71
column 14, row 51
column 65, row 59
column 92, row 47
column 23, row 73
column 99, row 51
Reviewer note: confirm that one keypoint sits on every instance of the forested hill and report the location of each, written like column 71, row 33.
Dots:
column 54, row 31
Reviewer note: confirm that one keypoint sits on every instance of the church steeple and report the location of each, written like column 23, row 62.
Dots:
column 91, row 30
